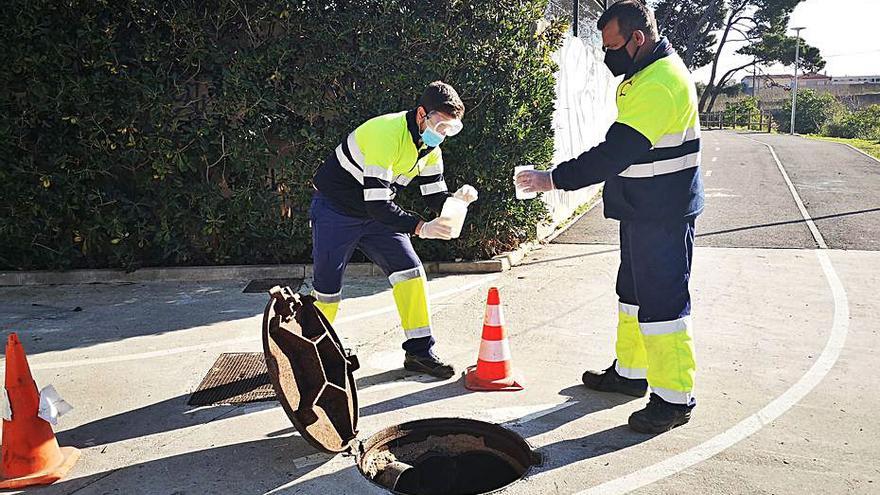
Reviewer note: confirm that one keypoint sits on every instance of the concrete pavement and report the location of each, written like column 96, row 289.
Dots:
column 786, row 338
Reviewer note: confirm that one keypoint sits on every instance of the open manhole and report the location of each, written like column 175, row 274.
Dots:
column 448, row 456
column 313, row 376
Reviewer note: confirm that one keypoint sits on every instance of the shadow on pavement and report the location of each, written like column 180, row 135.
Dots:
column 64, row 317
column 788, row 222
column 247, row 468
column 174, row 414
column 445, row 391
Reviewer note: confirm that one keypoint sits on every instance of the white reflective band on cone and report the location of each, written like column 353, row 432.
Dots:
column 5, row 408
column 52, row 406
column 494, row 351
column 494, row 316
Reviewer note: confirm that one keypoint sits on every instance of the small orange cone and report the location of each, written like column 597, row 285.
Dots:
column 30, row 452
column 493, row 370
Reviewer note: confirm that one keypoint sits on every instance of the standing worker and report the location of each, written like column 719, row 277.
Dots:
column 650, row 162
column 353, row 208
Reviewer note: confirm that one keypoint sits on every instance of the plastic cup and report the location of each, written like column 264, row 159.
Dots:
column 453, row 214
column 520, row 194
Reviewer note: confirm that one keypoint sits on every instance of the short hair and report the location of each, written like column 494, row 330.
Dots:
column 631, row 15
column 439, row 96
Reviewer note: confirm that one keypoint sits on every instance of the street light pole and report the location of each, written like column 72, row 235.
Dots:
column 794, row 86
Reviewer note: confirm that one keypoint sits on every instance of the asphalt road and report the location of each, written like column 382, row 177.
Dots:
column 748, row 203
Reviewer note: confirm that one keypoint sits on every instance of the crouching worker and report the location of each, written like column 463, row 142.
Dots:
column 353, row 208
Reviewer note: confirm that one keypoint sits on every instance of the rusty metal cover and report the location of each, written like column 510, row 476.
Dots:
column 311, row 372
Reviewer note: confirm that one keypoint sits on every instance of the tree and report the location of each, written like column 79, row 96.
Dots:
column 759, row 24
column 814, row 111
column 690, row 26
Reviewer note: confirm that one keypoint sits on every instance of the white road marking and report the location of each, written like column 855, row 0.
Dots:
column 708, row 173
column 714, row 159
column 778, row 406
column 717, row 148
column 243, row 340
column 797, row 199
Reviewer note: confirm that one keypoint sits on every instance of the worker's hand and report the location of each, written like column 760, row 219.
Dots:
column 534, row 181
column 436, row 229
column 466, row 193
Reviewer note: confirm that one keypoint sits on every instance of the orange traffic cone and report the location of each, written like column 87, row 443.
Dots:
column 30, row 452
column 493, row 370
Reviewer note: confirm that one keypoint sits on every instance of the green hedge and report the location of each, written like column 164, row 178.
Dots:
column 186, row 133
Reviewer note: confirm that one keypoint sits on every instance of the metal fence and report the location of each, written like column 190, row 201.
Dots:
column 753, row 121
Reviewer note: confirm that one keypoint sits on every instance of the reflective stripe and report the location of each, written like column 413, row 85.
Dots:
column 356, row 154
column 348, row 166
column 434, row 188
column 677, row 139
column 673, row 396
column 416, row 333
column 402, row 276
column 378, row 172
column 430, row 170
column 378, row 194
column 402, row 180
column 494, row 316
column 494, row 351
column 327, row 298
column 631, row 373
column 644, row 170
column 665, row 327
column 629, row 309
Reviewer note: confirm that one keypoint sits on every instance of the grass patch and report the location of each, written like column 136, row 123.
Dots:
column 870, row 147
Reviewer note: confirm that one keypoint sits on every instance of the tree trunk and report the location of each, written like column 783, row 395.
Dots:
column 731, row 20
column 697, row 34
column 723, row 82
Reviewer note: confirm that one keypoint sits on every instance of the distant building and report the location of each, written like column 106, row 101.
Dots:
column 766, row 81
column 814, row 80
column 855, row 80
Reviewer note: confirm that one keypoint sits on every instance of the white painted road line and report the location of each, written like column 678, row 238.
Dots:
column 797, row 199
column 758, row 420
column 708, row 173
column 242, row 340
column 714, row 159
column 778, row 406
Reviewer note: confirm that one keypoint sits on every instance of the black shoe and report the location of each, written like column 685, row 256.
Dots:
column 610, row 381
column 429, row 364
column 660, row 416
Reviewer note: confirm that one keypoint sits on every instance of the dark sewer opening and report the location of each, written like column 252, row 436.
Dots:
column 446, row 456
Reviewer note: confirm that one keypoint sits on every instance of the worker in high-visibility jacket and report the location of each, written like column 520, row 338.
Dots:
column 650, row 162
column 353, row 208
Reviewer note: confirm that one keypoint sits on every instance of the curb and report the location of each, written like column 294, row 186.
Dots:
column 234, row 272
column 500, row 263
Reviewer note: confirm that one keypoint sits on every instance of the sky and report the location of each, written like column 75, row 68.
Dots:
column 845, row 32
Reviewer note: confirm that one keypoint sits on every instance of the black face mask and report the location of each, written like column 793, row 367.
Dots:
column 618, row 61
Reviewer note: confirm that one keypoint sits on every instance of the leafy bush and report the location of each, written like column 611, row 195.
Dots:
column 165, row 133
column 814, row 111
column 861, row 124
column 741, row 111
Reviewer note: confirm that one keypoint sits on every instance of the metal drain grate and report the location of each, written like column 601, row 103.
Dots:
column 264, row 284
column 235, row 378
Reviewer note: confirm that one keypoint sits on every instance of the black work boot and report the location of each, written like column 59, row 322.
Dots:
column 610, row 381
column 428, row 363
column 660, row 416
